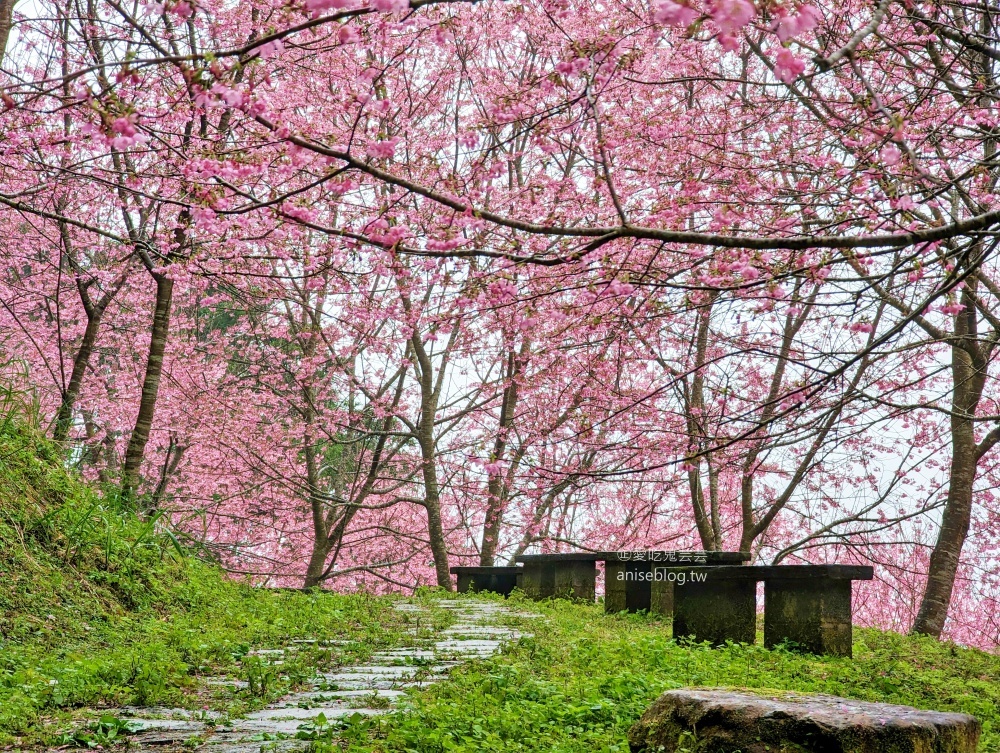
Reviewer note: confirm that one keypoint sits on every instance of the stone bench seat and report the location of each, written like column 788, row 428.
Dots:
column 628, row 585
column 631, row 583
column 500, row 580
column 807, row 607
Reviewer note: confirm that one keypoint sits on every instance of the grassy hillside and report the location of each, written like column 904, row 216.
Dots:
column 583, row 678
column 98, row 609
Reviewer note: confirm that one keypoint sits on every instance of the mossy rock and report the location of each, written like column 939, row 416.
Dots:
column 718, row 720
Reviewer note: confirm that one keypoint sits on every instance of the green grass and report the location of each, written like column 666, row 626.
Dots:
column 584, row 678
column 99, row 609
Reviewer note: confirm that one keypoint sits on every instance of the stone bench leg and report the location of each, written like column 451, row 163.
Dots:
column 614, row 587
column 716, row 610
column 538, row 581
column 815, row 613
column 465, row 584
column 503, row 583
column 626, row 586
column 575, row 580
column 661, row 595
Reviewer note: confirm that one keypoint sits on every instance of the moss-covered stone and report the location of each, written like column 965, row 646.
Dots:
column 725, row 721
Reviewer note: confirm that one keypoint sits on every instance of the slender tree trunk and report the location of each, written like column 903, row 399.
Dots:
column 429, row 397
column 494, row 517
column 316, row 570
column 969, row 375
column 64, row 418
column 150, row 387
column 695, row 419
column 496, row 489
column 321, row 539
column 954, row 530
column 175, row 454
column 969, row 372
column 432, row 503
column 6, row 24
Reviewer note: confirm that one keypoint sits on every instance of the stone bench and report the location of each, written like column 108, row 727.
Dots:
column 629, row 583
column 640, row 580
column 500, row 580
column 808, row 605
column 568, row 575
column 710, row 720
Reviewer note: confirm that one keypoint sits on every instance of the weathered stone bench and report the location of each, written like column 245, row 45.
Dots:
column 806, row 605
column 568, row 575
column 630, row 583
column 715, row 720
column 639, row 580
column 500, row 580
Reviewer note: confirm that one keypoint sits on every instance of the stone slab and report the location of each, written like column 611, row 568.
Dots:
column 725, row 610
column 717, row 720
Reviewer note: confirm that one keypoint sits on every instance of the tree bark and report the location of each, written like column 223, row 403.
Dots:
column 968, row 366
column 429, row 393
column 316, row 569
column 6, row 24
column 64, row 417
column 150, row 387
column 704, row 516
column 955, row 521
column 497, row 488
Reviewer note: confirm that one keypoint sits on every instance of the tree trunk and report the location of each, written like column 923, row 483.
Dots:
column 150, row 387
column 954, row 529
column 696, row 434
column 432, row 503
column 64, row 418
column 174, row 456
column 6, row 24
column 968, row 371
column 432, row 493
column 429, row 396
column 496, row 489
column 969, row 379
column 316, row 570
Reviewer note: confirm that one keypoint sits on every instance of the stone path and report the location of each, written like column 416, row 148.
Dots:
column 369, row 689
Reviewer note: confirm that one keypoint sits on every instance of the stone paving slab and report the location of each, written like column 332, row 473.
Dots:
column 386, row 675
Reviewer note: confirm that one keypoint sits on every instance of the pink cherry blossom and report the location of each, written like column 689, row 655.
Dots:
column 892, row 155
column 617, row 287
column 805, row 19
column 348, row 35
column 671, row 13
column 383, row 149
column 124, row 126
column 271, row 49
column 391, row 6
column 729, row 42
column 787, row 66
column 732, row 15
column 182, row 9
column 317, row 7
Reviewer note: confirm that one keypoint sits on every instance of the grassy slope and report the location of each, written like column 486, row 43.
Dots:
column 584, row 678
column 98, row 610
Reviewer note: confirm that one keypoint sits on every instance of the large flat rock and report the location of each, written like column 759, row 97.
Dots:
column 708, row 720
